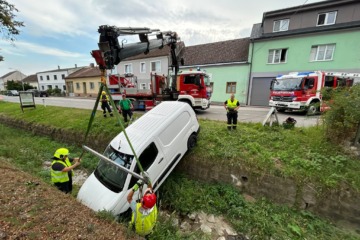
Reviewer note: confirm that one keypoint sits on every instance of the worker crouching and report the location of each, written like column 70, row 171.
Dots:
column 144, row 213
column 62, row 170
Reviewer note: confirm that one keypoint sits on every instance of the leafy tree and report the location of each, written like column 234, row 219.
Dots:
column 342, row 121
column 9, row 27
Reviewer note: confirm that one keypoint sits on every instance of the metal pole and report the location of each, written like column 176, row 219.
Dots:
column 102, row 157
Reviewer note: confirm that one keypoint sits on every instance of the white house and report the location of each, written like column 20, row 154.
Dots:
column 55, row 78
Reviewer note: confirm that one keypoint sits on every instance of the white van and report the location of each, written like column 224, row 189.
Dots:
column 160, row 139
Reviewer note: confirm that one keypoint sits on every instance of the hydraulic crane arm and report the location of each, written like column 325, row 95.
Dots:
column 112, row 53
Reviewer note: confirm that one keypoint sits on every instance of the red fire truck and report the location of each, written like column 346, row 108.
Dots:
column 191, row 86
column 302, row 90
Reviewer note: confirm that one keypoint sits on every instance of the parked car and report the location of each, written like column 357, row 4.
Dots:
column 12, row 93
column 38, row 93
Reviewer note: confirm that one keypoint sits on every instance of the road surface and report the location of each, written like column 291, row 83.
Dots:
column 215, row 112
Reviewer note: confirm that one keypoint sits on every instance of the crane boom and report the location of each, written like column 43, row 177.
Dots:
column 111, row 53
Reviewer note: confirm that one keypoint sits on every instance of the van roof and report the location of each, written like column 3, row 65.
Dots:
column 149, row 125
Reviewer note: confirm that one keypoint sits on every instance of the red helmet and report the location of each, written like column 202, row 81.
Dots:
column 149, row 199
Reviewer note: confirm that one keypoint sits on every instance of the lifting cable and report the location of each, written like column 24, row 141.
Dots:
column 103, row 87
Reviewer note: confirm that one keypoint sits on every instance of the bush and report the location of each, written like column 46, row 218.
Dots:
column 342, row 121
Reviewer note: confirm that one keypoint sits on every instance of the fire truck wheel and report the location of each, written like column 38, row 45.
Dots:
column 312, row 110
column 192, row 141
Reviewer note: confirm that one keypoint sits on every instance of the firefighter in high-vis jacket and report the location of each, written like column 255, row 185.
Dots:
column 62, row 170
column 232, row 105
column 104, row 99
column 144, row 213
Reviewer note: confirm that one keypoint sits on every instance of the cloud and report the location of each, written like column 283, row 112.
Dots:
column 21, row 48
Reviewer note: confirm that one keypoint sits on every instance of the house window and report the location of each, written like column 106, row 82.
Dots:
column 56, row 86
column 64, row 87
column 49, row 86
column 281, row 25
column 63, row 76
column 322, row 52
column 77, row 85
column 277, row 55
column 92, row 85
column 42, row 88
column 231, row 87
column 142, row 67
column 155, row 66
column 55, row 77
column 47, row 77
column 143, row 86
column 328, row 18
column 41, row 78
column 128, row 68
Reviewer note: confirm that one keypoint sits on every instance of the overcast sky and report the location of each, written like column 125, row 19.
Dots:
column 63, row 32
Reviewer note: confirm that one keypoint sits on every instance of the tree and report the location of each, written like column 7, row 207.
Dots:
column 9, row 27
column 342, row 121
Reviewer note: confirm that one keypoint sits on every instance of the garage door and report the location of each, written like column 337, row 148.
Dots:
column 260, row 91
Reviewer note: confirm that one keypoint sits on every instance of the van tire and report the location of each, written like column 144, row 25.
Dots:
column 192, row 141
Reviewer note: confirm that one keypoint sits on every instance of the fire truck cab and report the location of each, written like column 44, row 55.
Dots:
column 302, row 90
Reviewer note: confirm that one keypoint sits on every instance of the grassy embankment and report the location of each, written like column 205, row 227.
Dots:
column 302, row 152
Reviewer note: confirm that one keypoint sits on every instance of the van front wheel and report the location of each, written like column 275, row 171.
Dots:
column 192, row 141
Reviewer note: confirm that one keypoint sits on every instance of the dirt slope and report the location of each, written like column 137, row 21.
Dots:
column 32, row 209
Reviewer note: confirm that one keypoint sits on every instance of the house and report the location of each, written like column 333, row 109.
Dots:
column 32, row 81
column 142, row 65
column 84, row 82
column 226, row 62
column 317, row 36
column 11, row 76
column 53, row 79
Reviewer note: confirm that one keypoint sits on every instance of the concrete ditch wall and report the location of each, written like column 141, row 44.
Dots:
column 341, row 206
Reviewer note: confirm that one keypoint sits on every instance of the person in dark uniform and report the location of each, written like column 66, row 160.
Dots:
column 232, row 105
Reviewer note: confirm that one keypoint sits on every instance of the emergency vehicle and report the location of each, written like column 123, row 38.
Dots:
column 302, row 90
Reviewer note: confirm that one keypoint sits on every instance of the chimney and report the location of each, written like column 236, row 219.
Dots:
column 75, row 65
column 58, row 67
column 92, row 65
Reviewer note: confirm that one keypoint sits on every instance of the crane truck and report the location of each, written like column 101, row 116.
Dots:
column 192, row 87
column 302, row 90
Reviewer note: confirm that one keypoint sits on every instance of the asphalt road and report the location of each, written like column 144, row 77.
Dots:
column 215, row 112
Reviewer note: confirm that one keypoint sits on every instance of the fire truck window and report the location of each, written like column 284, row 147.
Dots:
column 329, row 81
column 189, row 80
column 341, row 82
column 309, row 83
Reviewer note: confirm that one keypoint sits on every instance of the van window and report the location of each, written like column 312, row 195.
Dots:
column 174, row 128
column 329, row 81
column 146, row 159
column 111, row 176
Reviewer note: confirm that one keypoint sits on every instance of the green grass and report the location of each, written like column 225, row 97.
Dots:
column 259, row 220
column 300, row 153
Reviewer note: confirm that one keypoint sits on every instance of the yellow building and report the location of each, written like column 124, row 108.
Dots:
column 84, row 82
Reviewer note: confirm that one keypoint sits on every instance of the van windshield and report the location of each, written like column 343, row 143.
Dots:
column 110, row 175
column 288, row 84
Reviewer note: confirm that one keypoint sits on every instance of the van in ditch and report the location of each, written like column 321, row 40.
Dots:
column 160, row 138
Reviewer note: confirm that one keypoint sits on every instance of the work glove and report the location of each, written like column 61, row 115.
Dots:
column 138, row 184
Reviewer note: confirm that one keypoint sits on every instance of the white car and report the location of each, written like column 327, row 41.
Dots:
column 160, row 138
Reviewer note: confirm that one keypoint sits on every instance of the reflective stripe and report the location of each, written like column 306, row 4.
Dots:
column 233, row 104
column 59, row 176
column 144, row 223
